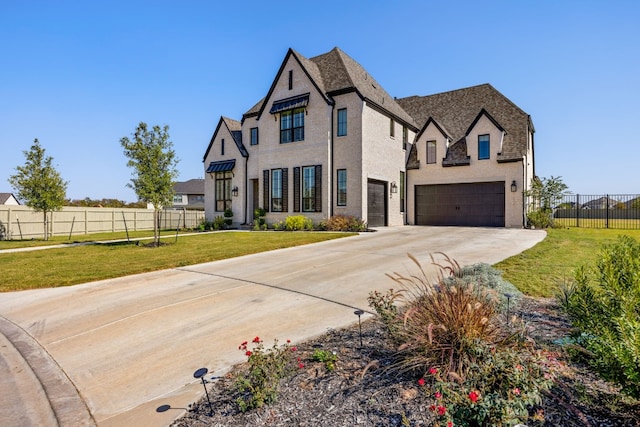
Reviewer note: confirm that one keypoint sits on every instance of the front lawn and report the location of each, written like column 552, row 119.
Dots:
column 540, row 270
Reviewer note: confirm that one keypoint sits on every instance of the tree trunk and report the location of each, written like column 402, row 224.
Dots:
column 156, row 228
column 46, row 226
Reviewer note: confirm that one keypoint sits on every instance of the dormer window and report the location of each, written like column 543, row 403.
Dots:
column 483, row 147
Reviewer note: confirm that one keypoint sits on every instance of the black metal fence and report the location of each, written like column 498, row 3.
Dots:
column 599, row 211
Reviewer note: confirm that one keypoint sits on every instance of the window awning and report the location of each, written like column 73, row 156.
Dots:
column 221, row 166
column 290, row 103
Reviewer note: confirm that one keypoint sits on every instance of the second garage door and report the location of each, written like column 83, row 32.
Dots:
column 471, row 205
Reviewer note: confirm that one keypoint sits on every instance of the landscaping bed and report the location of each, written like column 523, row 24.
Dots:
column 360, row 391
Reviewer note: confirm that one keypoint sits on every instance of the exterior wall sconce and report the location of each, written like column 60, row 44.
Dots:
column 234, row 191
column 514, row 187
column 394, row 187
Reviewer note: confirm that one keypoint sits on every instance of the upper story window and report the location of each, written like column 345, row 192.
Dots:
column 483, row 147
column 292, row 125
column 431, row 152
column 254, row 136
column 405, row 137
column 392, row 128
column 290, row 79
column 342, row 122
column 222, row 147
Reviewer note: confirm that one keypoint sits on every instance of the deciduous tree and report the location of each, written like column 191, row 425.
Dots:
column 153, row 160
column 39, row 184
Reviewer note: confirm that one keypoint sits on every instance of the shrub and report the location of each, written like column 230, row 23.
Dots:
column 343, row 223
column 298, row 222
column 259, row 215
column 327, row 357
column 258, row 385
column 500, row 388
column 540, row 218
column 451, row 329
column 605, row 307
column 218, row 223
column 228, row 217
column 3, row 231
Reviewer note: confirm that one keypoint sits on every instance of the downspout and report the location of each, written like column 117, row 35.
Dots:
column 246, row 189
column 333, row 107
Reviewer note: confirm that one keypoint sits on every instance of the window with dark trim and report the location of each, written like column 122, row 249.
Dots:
column 292, row 125
column 290, row 79
column 223, row 191
column 342, row 187
column 483, row 147
column 222, row 147
column 392, row 128
column 308, row 189
column 276, row 190
column 402, row 191
column 405, row 137
column 431, row 152
column 254, row 136
column 342, row 122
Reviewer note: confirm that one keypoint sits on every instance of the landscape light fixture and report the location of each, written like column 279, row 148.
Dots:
column 200, row 373
column 359, row 313
column 508, row 301
column 514, row 186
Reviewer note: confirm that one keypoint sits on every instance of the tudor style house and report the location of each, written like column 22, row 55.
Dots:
column 328, row 140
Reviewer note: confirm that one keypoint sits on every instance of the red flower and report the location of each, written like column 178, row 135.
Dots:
column 288, row 341
column 473, row 396
column 421, row 381
column 256, row 340
column 300, row 365
column 450, row 424
column 438, row 395
column 248, row 353
column 433, row 371
column 516, row 391
column 294, row 348
column 442, row 410
column 432, row 408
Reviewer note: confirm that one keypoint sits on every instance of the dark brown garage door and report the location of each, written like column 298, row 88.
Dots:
column 377, row 203
column 470, row 205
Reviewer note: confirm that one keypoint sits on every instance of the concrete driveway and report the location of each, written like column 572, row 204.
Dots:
column 130, row 345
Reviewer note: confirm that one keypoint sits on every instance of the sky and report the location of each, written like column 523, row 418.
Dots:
column 80, row 75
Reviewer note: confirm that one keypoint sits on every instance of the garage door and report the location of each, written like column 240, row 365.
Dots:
column 470, row 205
column 376, row 203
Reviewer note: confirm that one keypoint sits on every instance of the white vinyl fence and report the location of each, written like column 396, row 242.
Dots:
column 21, row 222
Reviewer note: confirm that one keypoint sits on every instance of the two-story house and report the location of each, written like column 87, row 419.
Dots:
column 328, row 140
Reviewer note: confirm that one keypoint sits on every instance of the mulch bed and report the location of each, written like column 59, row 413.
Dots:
column 360, row 392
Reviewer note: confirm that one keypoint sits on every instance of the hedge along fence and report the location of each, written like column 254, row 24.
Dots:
column 22, row 222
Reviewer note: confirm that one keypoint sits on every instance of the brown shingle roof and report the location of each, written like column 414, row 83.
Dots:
column 456, row 110
column 192, row 186
column 341, row 73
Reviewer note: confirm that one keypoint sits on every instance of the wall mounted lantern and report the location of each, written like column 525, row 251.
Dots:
column 514, row 187
column 394, row 187
column 234, row 192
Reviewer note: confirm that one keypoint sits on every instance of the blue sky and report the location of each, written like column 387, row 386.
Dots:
column 81, row 75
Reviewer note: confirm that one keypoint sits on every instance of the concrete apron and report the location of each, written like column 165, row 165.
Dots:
column 132, row 344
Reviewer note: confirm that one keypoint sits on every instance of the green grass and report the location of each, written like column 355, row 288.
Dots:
column 540, row 270
column 94, row 237
column 621, row 224
column 74, row 265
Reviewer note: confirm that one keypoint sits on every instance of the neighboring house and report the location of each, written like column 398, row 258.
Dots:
column 8, row 199
column 189, row 194
column 328, row 140
column 600, row 203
